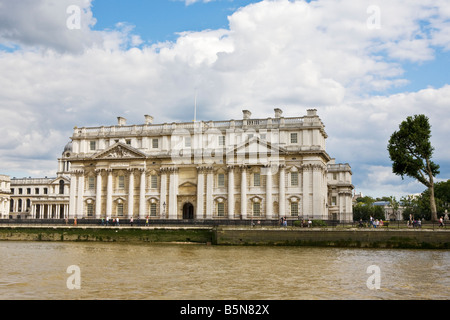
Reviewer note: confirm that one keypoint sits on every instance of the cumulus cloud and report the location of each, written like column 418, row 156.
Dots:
column 288, row 54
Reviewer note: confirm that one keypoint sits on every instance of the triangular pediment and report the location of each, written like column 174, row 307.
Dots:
column 187, row 184
column 119, row 151
column 256, row 145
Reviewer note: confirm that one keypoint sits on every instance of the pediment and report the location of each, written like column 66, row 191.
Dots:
column 257, row 146
column 187, row 184
column 119, row 151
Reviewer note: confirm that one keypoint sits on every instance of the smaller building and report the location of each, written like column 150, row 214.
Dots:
column 41, row 198
column 389, row 212
column 5, row 192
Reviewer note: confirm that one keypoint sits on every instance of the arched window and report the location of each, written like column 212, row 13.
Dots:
column 61, row 186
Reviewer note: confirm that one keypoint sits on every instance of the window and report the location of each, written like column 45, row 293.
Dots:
column 221, row 180
column 155, row 143
column 187, row 142
column 28, row 190
column 256, row 208
column 294, row 208
column 45, row 190
column 333, row 201
column 121, row 182
column 294, row 137
column 20, row 190
column 154, row 182
column 91, row 183
column 294, row 178
column 153, row 209
column 120, row 209
column 334, row 176
column 92, row 145
column 128, row 141
column 221, row 209
column 61, row 186
column 221, row 140
column 90, row 210
column 256, row 179
column 36, row 191
column 12, row 190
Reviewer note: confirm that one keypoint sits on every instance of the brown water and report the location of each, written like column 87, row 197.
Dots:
column 38, row 270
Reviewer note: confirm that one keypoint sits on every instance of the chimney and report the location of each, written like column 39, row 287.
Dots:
column 247, row 114
column 121, row 121
column 312, row 112
column 148, row 119
column 278, row 113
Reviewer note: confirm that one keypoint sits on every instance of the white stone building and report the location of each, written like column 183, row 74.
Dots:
column 235, row 169
column 4, row 196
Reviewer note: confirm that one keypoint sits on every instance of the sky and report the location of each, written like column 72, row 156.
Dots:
column 364, row 65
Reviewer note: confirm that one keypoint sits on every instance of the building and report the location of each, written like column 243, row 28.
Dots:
column 39, row 198
column 235, row 169
column 4, row 196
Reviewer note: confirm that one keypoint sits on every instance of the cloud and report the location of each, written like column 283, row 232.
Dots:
column 292, row 55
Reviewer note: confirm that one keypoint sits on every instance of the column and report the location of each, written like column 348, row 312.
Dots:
column 317, row 192
column 269, row 201
column 80, row 203
column 142, row 212
column 209, row 193
column 131, row 193
column 200, row 191
column 163, row 194
column 98, row 195
column 73, row 195
column 109, row 191
column 244, row 192
column 282, row 192
column 230, row 192
column 173, row 193
column 306, row 208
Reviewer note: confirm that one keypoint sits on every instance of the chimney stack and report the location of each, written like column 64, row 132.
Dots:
column 121, row 121
column 148, row 119
column 247, row 114
column 278, row 113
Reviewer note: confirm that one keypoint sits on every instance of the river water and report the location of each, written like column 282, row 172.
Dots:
column 39, row 270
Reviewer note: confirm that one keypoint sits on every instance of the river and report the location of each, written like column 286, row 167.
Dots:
column 50, row 270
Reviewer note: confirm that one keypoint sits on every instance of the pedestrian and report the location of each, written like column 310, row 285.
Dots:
column 131, row 221
column 103, row 221
column 146, row 222
column 441, row 222
column 107, row 221
column 117, row 221
column 75, row 221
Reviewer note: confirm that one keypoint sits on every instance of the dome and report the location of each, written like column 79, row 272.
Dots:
column 68, row 147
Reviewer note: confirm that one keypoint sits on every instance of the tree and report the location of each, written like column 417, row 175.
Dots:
column 410, row 151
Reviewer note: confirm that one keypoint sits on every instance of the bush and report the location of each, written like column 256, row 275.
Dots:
column 318, row 223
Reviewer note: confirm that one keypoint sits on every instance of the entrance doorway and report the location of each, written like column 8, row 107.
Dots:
column 188, row 211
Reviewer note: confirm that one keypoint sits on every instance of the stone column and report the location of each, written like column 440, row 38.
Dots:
column 131, row 193
column 317, row 192
column 200, row 192
column 209, row 193
column 80, row 202
column 109, row 191
column 306, row 208
column 98, row 196
column 173, row 194
column 73, row 195
column 142, row 209
column 269, row 201
column 163, row 194
column 282, row 192
column 244, row 192
column 230, row 192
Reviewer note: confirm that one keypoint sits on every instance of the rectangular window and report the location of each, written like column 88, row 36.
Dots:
column 20, row 190
column 334, row 176
column 187, row 142
column 128, row 141
column 221, row 180
column 294, row 208
column 153, row 209
column 90, row 209
column 36, row 191
column 294, row 178
column 294, row 137
column 154, row 182
column 92, row 145
column 256, row 208
column 333, row 201
column 120, row 209
column 91, row 182
column 28, row 190
column 155, row 143
column 221, row 140
column 121, row 182
column 256, row 179
column 221, row 209
column 45, row 191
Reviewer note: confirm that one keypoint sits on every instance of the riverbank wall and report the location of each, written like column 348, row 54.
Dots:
column 237, row 236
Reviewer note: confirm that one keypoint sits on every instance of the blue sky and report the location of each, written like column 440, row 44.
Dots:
column 131, row 58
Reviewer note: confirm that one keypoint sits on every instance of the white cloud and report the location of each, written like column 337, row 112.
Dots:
column 292, row 55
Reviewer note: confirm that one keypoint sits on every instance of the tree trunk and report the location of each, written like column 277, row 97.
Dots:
column 433, row 204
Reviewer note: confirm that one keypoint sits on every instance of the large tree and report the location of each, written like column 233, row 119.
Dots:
column 410, row 151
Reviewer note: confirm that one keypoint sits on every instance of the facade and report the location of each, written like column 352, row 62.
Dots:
column 41, row 198
column 235, row 169
column 4, row 196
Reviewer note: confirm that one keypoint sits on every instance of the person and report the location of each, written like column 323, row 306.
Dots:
column 103, row 221
column 146, row 222
column 360, row 223
column 75, row 221
column 107, row 221
column 117, row 221
column 371, row 221
column 441, row 222
column 309, row 223
column 131, row 221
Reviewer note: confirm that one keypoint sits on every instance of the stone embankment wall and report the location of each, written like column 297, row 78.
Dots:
column 369, row 238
